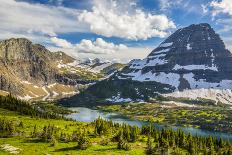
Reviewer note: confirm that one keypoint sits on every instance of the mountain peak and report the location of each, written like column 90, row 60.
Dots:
column 201, row 25
column 193, row 57
column 190, row 54
column 18, row 40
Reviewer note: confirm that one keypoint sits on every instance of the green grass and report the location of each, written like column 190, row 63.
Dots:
column 30, row 146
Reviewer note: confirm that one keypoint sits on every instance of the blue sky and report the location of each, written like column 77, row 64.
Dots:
column 109, row 29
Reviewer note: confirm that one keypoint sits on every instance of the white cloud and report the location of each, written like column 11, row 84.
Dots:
column 124, row 55
column 104, row 50
column 110, row 19
column 169, row 4
column 36, row 19
column 98, row 47
column 204, row 8
column 224, row 6
column 61, row 42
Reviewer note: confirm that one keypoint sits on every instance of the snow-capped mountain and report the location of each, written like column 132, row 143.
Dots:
column 192, row 58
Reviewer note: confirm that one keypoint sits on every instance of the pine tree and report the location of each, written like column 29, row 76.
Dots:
column 149, row 146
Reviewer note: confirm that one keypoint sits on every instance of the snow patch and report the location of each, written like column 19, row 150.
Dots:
column 48, row 94
column 52, row 85
column 69, row 93
column 162, row 51
column 202, row 83
column 180, row 104
column 170, row 78
column 26, row 82
column 149, row 61
column 54, row 93
column 218, row 95
column 25, row 98
column 195, row 67
column 189, row 47
column 118, row 99
column 166, row 44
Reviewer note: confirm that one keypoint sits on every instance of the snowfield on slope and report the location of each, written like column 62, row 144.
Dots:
column 218, row 95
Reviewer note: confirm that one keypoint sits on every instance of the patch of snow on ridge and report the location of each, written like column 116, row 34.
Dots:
column 52, row 85
column 149, row 61
column 166, row 44
column 26, row 98
column 26, row 82
column 189, row 47
column 138, row 64
column 202, row 83
column 118, row 99
column 180, row 104
column 213, row 60
column 195, row 67
column 162, row 51
column 98, row 69
column 48, row 94
column 218, row 95
column 156, row 56
column 170, row 78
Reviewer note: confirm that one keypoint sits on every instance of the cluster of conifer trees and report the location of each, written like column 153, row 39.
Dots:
column 25, row 108
column 165, row 141
column 7, row 128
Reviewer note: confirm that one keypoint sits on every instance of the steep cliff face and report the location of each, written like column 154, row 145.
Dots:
column 24, row 64
column 191, row 58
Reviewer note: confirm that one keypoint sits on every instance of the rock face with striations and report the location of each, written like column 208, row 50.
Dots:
column 21, row 60
column 191, row 58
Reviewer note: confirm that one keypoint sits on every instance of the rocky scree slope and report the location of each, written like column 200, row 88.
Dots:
column 26, row 67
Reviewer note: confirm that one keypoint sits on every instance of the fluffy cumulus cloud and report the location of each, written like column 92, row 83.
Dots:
column 110, row 19
column 22, row 19
column 61, row 42
column 98, row 47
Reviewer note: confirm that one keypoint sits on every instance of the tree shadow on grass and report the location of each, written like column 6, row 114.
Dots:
column 75, row 148
column 33, row 141
column 106, row 149
column 66, row 149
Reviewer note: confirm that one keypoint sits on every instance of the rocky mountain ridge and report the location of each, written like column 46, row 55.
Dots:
column 30, row 71
column 194, row 57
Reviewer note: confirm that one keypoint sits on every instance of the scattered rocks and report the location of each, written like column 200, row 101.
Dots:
column 9, row 148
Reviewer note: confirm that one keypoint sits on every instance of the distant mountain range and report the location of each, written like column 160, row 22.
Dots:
column 30, row 71
column 192, row 63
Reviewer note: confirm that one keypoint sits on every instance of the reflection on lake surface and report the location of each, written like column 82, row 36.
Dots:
column 89, row 115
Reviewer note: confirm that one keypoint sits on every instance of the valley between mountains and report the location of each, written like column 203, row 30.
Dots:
column 180, row 95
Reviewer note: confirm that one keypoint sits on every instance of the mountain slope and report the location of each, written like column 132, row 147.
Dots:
column 191, row 58
column 31, row 71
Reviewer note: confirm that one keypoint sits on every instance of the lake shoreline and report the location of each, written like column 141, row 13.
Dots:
column 88, row 115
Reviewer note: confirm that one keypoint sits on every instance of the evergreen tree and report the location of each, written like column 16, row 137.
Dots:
column 149, row 146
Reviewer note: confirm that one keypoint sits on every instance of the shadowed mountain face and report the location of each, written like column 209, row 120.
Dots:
column 191, row 58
